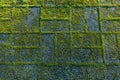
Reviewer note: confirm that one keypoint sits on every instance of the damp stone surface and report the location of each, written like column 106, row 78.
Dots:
column 59, row 39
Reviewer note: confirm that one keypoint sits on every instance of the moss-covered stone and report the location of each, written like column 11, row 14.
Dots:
column 59, row 39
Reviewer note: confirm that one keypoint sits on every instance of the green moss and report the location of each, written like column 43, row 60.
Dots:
column 63, row 32
column 83, row 2
column 55, row 13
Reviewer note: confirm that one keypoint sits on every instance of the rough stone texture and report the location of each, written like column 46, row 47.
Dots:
column 59, row 39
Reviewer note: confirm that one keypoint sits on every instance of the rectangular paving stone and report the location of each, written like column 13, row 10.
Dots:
column 4, row 39
column 25, row 40
column 111, row 26
column 111, row 48
column 47, row 48
column 58, row 72
column 48, row 2
column 113, row 72
column 83, row 2
column 92, row 19
column 5, row 12
column 118, row 41
column 87, row 55
column 55, row 13
column 5, row 20
column 23, row 55
column 6, row 2
column 86, row 39
column 4, row 51
column 63, row 48
column 87, row 73
column 78, row 19
column 62, row 2
column 21, row 72
column 25, row 2
column 2, row 72
column 55, row 26
column 110, row 12
column 51, row 3
column 110, row 1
